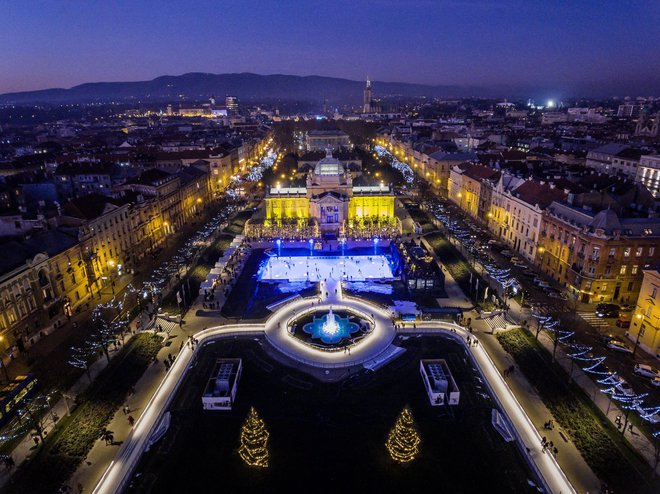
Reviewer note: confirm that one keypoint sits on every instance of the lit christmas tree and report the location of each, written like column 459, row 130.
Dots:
column 254, row 441
column 403, row 440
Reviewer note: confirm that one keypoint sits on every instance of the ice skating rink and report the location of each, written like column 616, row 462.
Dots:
column 317, row 268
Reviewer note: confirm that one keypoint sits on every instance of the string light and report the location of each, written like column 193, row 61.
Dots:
column 254, row 441
column 403, row 440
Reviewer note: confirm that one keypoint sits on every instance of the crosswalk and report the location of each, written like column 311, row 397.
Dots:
column 496, row 322
column 548, row 308
column 165, row 325
column 593, row 319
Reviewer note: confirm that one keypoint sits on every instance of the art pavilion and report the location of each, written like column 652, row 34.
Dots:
column 329, row 204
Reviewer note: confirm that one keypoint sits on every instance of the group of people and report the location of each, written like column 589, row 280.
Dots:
column 548, row 445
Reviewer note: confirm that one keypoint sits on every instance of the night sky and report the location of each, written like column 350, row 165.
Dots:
column 602, row 46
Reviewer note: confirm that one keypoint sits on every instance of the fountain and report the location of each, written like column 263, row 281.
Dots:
column 331, row 328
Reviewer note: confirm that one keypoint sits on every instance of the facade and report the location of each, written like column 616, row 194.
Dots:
column 599, row 257
column 465, row 186
column 648, row 173
column 602, row 158
column 330, row 201
column 645, row 322
column 516, row 212
column 321, row 140
column 629, row 111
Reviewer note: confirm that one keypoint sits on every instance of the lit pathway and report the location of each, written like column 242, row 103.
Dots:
column 120, row 469
column 527, row 436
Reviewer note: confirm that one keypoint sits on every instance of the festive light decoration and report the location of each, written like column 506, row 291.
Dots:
column 403, row 440
column 32, row 416
column 254, row 441
column 404, row 168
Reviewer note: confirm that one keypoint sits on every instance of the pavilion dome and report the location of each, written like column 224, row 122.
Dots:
column 329, row 166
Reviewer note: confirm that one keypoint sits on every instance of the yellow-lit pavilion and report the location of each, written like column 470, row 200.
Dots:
column 331, row 201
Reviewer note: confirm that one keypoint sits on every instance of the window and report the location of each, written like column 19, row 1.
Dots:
column 654, row 292
column 634, row 269
column 604, row 287
column 641, row 330
column 651, row 250
column 623, row 269
column 638, row 252
column 612, row 252
column 649, row 309
column 626, row 252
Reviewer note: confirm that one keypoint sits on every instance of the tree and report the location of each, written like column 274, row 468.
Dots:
column 31, row 416
column 82, row 357
column 254, row 441
column 403, row 440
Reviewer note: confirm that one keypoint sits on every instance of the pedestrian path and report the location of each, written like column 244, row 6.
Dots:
column 494, row 322
column 593, row 319
column 165, row 324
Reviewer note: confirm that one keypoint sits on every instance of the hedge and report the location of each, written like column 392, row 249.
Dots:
column 74, row 436
column 600, row 444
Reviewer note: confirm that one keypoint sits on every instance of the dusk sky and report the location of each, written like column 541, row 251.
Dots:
column 609, row 45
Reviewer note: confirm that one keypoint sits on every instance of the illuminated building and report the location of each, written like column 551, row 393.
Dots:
column 599, row 257
column 645, row 321
column 330, row 202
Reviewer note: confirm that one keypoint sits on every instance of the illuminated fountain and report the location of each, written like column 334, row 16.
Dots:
column 330, row 328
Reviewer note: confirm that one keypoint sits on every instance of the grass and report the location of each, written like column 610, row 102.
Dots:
column 422, row 219
column 457, row 266
column 67, row 446
column 608, row 454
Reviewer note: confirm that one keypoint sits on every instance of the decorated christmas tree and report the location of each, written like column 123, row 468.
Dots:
column 254, row 441
column 403, row 440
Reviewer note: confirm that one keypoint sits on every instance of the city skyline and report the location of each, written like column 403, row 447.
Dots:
column 604, row 49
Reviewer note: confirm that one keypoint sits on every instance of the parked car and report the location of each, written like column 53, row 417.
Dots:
column 623, row 322
column 506, row 253
column 607, row 310
column 624, row 388
column 646, row 371
column 543, row 284
column 528, row 273
column 656, row 382
column 627, row 308
column 618, row 346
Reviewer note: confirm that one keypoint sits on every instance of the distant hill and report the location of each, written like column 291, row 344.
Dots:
column 197, row 86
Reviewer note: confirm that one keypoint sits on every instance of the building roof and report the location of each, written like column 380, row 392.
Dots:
column 460, row 157
column 611, row 148
column 533, row 192
column 479, row 172
column 152, row 177
column 52, row 242
column 90, row 206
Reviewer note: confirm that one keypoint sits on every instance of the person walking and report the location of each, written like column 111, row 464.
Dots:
column 131, row 420
column 126, row 410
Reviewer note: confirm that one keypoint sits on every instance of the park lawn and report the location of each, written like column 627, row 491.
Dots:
column 67, row 446
column 608, row 454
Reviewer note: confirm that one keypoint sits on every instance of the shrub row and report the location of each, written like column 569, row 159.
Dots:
column 67, row 447
column 597, row 440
